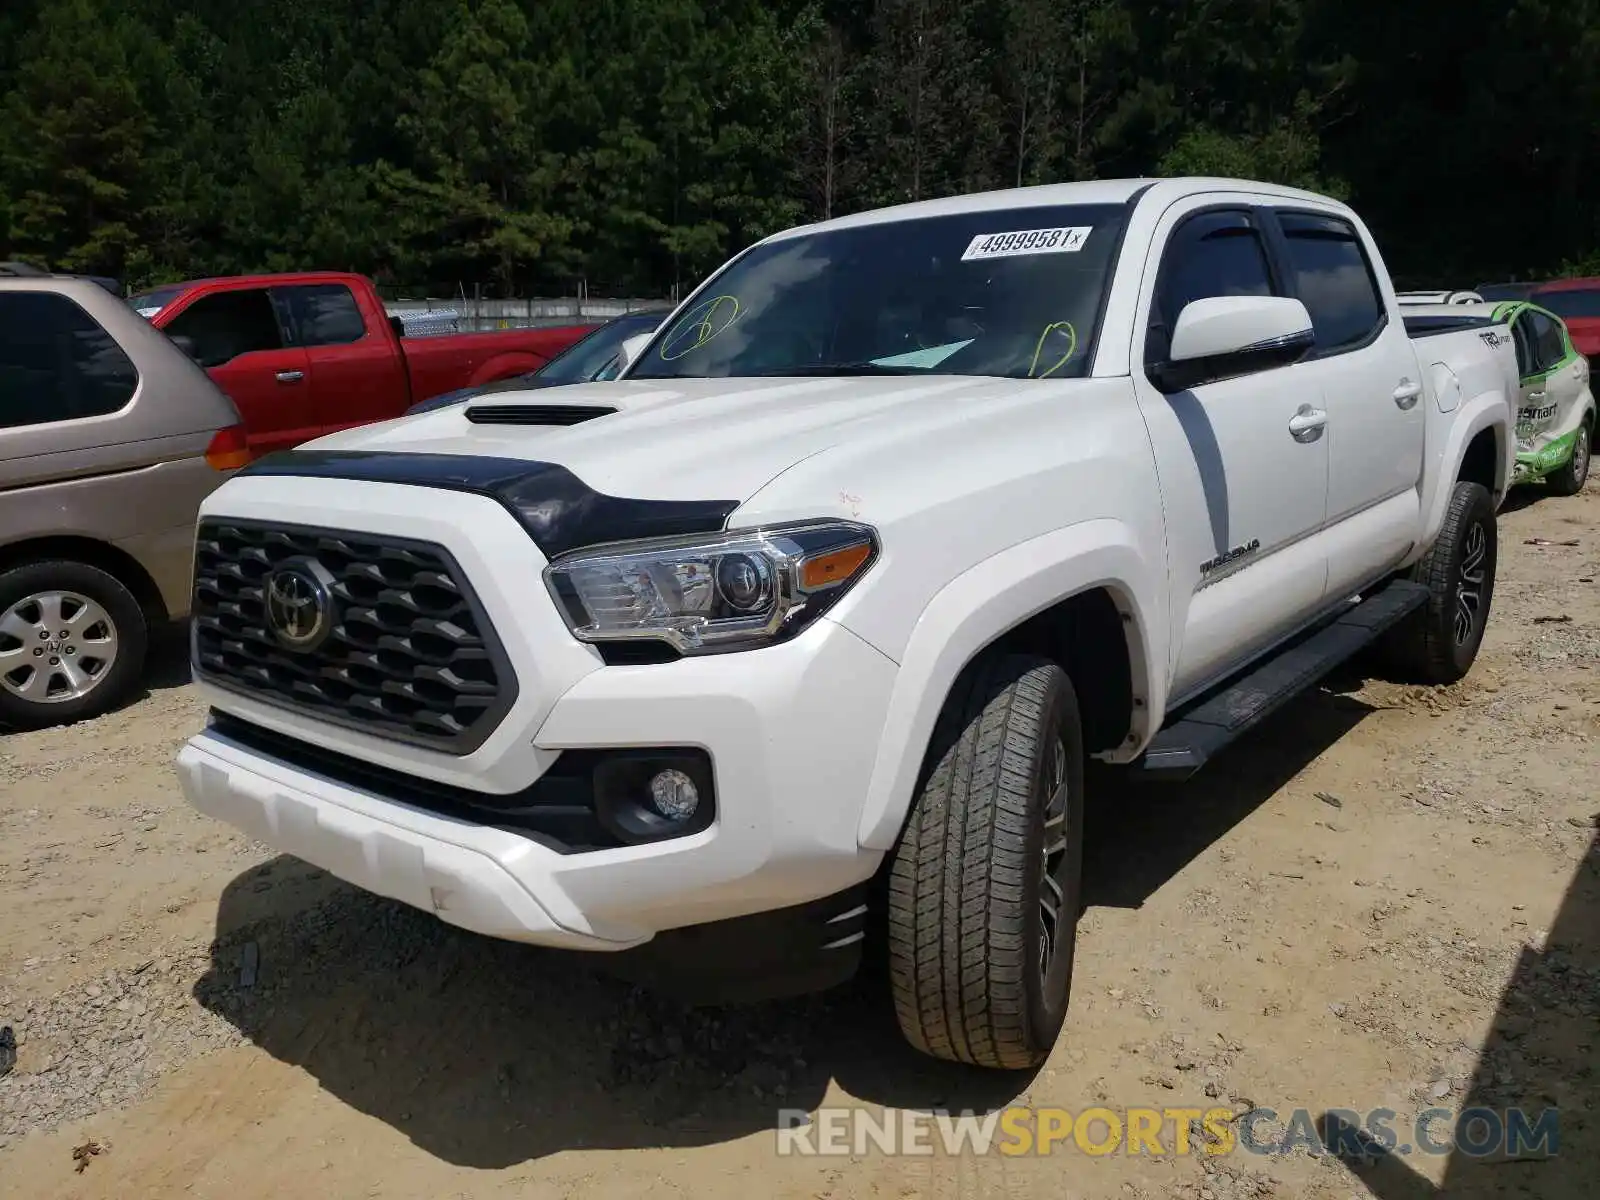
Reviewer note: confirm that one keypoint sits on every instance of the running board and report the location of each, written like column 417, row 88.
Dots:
column 1198, row 732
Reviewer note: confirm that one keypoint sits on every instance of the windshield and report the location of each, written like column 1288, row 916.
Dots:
column 1008, row 292
column 1576, row 302
column 585, row 358
column 148, row 304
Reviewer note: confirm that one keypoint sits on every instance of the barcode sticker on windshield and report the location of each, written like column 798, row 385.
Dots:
column 1028, row 241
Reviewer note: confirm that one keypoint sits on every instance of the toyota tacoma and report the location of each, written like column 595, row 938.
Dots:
column 788, row 646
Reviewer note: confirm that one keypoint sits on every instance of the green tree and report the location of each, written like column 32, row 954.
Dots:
column 482, row 182
column 78, row 150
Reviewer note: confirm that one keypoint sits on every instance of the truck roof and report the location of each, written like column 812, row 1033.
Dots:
column 1095, row 191
column 265, row 280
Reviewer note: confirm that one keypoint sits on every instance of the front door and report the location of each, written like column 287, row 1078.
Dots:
column 1244, row 481
column 238, row 338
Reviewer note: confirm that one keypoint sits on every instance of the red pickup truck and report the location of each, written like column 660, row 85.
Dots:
column 307, row 354
column 1577, row 302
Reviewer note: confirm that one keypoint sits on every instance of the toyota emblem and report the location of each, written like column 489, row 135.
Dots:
column 299, row 606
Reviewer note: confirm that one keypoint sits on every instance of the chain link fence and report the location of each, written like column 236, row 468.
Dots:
column 469, row 311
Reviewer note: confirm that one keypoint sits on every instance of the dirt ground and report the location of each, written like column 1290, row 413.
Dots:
column 1387, row 897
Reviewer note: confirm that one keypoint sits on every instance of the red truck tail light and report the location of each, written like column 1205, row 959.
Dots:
column 229, row 449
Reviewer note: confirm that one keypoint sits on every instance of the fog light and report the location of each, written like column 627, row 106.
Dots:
column 674, row 795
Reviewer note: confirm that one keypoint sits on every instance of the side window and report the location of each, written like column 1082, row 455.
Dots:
column 1330, row 274
column 1549, row 347
column 56, row 363
column 324, row 314
column 1211, row 254
column 227, row 324
column 1524, row 342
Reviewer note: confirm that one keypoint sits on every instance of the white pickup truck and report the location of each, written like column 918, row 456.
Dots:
column 791, row 642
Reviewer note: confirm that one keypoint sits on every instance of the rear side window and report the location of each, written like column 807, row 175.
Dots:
column 1578, row 302
column 324, row 314
column 1330, row 274
column 225, row 325
column 1549, row 347
column 56, row 363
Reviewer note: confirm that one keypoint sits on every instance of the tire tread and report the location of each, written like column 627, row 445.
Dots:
column 959, row 876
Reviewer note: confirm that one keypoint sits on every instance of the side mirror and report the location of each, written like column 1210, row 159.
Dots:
column 1223, row 336
column 630, row 351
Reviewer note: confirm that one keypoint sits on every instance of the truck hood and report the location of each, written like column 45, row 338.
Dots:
column 694, row 439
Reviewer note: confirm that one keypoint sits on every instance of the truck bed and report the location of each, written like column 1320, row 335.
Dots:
column 1427, row 323
column 444, row 363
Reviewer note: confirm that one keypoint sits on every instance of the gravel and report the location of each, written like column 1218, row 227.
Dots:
column 104, row 1044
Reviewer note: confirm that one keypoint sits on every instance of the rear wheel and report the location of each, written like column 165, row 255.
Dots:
column 985, row 884
column 1568, row 479
column 1439, row 642
column 72, row 643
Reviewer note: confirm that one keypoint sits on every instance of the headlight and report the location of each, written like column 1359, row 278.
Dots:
column 710, row 594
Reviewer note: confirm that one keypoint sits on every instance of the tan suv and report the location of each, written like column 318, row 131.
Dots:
column 110, row 436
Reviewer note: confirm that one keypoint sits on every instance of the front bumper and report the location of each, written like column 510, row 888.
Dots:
column 791, row 730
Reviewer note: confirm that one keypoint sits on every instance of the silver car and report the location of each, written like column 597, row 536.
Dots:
column 110, row 437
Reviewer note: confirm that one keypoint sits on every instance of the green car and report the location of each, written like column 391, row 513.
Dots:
column 1556, row 411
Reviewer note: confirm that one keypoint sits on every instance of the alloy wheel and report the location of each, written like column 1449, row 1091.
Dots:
column 1052, row 860
column 1470, row 581
column 55, row 646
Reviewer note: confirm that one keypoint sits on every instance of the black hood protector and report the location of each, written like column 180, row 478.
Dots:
column 560, row 512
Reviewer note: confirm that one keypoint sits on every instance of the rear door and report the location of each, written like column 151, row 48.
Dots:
column 357, row 374
column 238, row 336
column 1367, row 371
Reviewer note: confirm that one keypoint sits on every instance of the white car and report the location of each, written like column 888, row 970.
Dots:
column 790, row 644
column 1413, row 299
column 1555, row 408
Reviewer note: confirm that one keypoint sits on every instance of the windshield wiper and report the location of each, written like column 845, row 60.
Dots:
column 844, row 368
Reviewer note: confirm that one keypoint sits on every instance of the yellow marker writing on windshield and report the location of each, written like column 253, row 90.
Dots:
column 707, row 325
column 1038, row 349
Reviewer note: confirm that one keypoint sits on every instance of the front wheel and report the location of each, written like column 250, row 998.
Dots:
column 985, row 884
column 1439, row 642
column 1568, row 479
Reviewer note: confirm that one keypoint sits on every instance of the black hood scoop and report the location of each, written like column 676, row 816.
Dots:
column 535, row 414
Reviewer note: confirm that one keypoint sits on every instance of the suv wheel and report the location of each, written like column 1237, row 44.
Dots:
column 72, row 643
column 1439, row 642
column 1568, row 479
column 985, row 883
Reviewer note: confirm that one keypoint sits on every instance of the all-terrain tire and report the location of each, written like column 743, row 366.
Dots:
column 1568, row 479
column 1439, row 642
column 979, row 972
column 114, row 606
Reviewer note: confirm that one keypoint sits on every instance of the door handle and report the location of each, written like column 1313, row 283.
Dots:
column 291, row 376
column 1406, row 394
column 1307, row 424
column 1536, row 395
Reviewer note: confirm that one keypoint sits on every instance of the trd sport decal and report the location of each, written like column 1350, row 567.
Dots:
column 1494, row 340
column 1228, row 556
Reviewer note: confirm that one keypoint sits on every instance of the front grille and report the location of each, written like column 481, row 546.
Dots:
column 407, row 654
